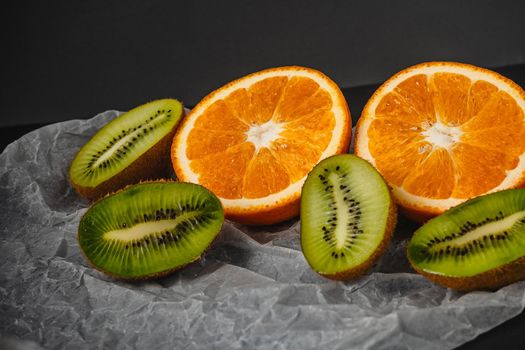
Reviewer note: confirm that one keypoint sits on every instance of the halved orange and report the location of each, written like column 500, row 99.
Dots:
column 443, row 132
column 253, row 141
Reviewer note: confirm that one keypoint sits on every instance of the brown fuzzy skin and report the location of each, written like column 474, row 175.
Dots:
column 140, row 278
column 157, row 275
column 286, row 208
column 151, row 165
column 488, row 280
column 416, row 211
column 359, row 270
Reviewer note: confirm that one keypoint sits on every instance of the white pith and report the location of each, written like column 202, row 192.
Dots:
column 263, row 135
column 487, row 229
column 338, row 111
column 440, row 135
column 404, row 197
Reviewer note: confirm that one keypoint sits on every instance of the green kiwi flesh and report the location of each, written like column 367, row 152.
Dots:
column 132, row 147
column 347, row 217
column 479, row 244
column 150, row 229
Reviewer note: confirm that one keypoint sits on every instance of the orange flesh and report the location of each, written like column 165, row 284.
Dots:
column 491, row 136
column 232, row 167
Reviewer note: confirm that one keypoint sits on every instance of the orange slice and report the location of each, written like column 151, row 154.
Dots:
column 253, row 141
column 442, row 132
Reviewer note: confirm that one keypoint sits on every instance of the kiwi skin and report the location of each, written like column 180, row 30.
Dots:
column 153, row 164
column 391, row 223
column 154, row 275
column 489, row 280
column 359, row 270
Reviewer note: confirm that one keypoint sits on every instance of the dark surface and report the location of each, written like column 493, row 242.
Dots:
column 64, row 60
column 508, row 335
column 71, row 59
column 356, row 98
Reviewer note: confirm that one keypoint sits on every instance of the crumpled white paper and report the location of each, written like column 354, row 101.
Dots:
column 253, row 289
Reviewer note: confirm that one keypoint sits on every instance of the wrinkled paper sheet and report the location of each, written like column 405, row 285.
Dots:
column 253, row 289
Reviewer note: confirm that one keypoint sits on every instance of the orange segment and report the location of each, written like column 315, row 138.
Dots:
column 239, row 104
column 396, row 166
column 317, row 138
column 320, row 119
column 416, row 95
column 393, row 105
column 450, row 95
column 443, row 132
column 499, row 110
column 296, row 157
column 224, row 171
column 389, row 133
column 295, row 94
column 508, row 137
column 314, row 129
column 256, row 104
column 479, row 169
column 219, row 117
column 434, row 177
column 264, row 176
column 265, row 97
column 202, row 142
column 253, row 141
column 320, row 101
column 392, row 137
column 479, row 95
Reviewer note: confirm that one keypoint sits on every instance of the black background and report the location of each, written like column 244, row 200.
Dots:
column 73, row 59
column 65, row 60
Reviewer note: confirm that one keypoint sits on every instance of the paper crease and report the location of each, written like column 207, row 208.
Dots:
column 252, row 290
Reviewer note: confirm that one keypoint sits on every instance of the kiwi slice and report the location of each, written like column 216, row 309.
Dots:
column 479, row 244
column 134, row 146
column 150, row 229
column 347, row 217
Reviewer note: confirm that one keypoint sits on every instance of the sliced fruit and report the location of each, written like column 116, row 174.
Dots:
column 479, row 244
column 253, row 141
column 347, row 217
column 150, row 229
column 442, row 132
column 131, row 148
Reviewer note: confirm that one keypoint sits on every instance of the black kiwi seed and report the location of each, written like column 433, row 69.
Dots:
column 342, row 213
column 144, row 263
column 503, row 263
